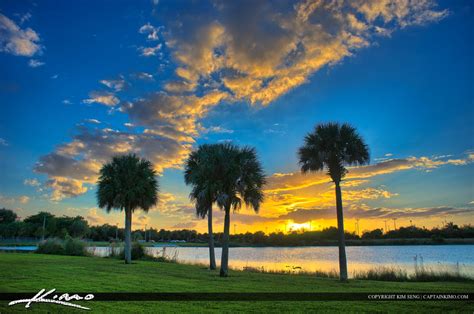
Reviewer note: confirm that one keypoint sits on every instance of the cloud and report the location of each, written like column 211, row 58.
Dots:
column 94, row 217
column 279, row 47
column 67, row 102
column 406, row 13
column 218, row 129
column 25, row 17
column 218, row 58
column 104, row 98
column 305, row 215
column 295, row 180
column 150, row 30
column 93, row 121
column 185, row 225
column 22, row 199
column 35, row 63
column 17, row 41
column 78, row 162
column 286, row 192
column 32, row 182
column 3, row 142
column 116, row 85
column 65, row 187
column 144, row 76
column 149, row 51
column 173, row 116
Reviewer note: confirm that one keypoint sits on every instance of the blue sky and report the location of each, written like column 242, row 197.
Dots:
column 182, row 73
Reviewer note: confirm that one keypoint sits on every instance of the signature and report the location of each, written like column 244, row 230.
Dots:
column 62, row 299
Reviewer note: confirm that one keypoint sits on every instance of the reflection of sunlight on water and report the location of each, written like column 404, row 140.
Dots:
column 313, row 259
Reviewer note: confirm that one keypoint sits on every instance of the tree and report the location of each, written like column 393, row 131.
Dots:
column 42, row 224
column 7, row 216
column 332, row 147
column 126, row 184
column 203, row 176
column 239, row 179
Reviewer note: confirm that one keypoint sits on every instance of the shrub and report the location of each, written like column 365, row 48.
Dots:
column 74, row 247
column 437, row 238
column 51, row 246
column 116, row 250
column 138, row 252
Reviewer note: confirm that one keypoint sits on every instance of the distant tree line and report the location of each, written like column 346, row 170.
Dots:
column 77, row 227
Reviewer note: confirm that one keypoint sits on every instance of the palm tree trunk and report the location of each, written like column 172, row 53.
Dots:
column 340, row 231
column 128, row 236
column 225, row 244
column 212, row 255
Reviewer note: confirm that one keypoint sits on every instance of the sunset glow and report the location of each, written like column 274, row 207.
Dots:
column 160, row 78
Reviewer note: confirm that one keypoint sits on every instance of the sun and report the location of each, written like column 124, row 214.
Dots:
column 299, row 227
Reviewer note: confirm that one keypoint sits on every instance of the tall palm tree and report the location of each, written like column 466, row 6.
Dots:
column 127, row 183
column 332, row 147
column 200, row 173
column 240, row 179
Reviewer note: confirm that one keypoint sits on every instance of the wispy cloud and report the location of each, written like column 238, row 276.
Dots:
column 104, row 98
column 32, row 182
column 93, row 121
column 35, row 63
column 150, row 30
column 117, row 85
column 218, row 129
column 6, row 200
column 149, row 51
column 144, row 76
column 18, row 41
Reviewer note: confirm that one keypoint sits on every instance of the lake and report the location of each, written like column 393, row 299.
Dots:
column 314, row 258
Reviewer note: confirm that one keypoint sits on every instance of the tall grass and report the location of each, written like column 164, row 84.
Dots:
column 292, row 271
column 421, row 273
column 163, row 257
column 383, row 273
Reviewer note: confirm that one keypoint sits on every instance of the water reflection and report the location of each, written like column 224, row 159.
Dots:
column 310, row 259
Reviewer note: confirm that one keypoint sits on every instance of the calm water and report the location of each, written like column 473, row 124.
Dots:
column 326, row 258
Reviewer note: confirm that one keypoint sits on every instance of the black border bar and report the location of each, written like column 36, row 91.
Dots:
column 256, row 296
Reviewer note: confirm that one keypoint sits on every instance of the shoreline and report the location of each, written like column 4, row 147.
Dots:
column 372, row 242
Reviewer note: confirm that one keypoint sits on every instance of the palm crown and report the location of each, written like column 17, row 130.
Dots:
column 127, row 182
column 332, row 146
column 201, row 174
column 241, row 177
column 225, row 174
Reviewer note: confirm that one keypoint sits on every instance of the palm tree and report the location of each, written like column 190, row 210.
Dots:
column 127, row 183
column 240, row 179
column 200, row 173
column 331, row 147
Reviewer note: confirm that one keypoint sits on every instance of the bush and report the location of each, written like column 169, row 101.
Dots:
column 51, row 246
column 70, row 246
column 437, row 238
column 138, row 252
column 74, row 247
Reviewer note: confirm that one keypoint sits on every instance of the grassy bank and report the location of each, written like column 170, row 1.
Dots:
column 31, row 272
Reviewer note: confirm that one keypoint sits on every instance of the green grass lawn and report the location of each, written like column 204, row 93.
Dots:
column 26, row 272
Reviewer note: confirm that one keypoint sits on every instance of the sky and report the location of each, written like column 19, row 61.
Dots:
column 82, row 81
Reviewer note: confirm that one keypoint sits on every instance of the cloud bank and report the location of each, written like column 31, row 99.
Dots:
column 217, row 58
